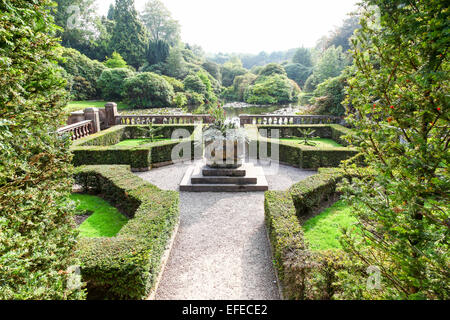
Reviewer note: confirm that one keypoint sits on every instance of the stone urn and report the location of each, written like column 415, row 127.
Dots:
column 219, row 157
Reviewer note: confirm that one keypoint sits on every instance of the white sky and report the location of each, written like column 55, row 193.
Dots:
column 252, row 26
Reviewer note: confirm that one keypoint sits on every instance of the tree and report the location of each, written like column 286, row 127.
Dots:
column 272, row 69
column 298, row 72
column 146, row 90
column 159, row 23
column 77, row 18
column 341, row 36
column 303, row 56
column 111, row 12
column 82, row 74
column 329, row 96
column 175, row 65
column 230, row 70
column 157, row 51
column 275, row 89
column 400, row 96
column 129, row 37
column 116, row 61
column 111, row 83
column 38, row 236
column 195, row 84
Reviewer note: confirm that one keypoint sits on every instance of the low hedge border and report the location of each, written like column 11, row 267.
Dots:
column 127, row 266
column 306, row 157
column 304, row 274
column 100, row 149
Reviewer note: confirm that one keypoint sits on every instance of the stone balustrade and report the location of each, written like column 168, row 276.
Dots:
column 286, row 120
column 162, row 119
column 78, row 130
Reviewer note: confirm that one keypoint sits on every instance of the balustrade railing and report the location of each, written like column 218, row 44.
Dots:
column 286, row 120
column 78, row 130
column 162, row 119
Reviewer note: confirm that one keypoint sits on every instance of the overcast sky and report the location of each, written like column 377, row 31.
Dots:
column 252, row 26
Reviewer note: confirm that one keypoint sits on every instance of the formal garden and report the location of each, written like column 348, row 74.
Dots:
column 134, row 167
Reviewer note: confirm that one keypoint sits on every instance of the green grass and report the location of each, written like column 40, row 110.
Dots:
column 320, row 142
column 137, row 142
column 106, row 221
column 324, row 230
column 81, row 105
column 121, row 107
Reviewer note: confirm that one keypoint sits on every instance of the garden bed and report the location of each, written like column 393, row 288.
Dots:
column 98, row 217
column 127, row 266
column 306, row 264
column 111, row 147
column 331, row 150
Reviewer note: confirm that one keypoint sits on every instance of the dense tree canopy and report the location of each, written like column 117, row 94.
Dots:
column 37, row 237
column 400, row 96
column 159, row 23
column 129, row 36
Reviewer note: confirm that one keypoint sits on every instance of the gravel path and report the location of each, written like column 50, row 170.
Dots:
column 221, row 250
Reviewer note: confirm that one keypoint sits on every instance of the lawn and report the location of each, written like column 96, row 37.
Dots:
column 137, row 142
column 324, row 230
column 106, row 221
column 320, row 142
column 121, row 107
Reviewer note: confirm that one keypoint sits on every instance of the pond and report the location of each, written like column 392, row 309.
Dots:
column 235, row 109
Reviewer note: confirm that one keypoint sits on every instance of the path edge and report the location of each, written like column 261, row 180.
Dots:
column 164, row 260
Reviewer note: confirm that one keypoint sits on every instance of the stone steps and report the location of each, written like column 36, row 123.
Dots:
column 246, row 178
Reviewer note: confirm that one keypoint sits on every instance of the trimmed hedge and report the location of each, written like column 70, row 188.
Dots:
column 304, row 274
column 306, row 157
column 126, row 266
column 100, row 149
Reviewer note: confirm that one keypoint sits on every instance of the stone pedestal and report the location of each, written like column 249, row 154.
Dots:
column 246, row 178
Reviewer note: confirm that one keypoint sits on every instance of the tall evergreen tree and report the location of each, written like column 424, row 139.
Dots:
column 129, row 37
column 37, row 229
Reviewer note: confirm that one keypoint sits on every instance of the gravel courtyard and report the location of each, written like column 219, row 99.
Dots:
column 221, row 250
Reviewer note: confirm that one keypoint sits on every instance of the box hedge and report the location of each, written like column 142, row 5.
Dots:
column 126, row 266
column 306, row 157
column 304, row 274
column 100, row 149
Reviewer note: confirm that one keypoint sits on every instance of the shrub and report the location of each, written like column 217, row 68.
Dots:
column 116, row 61
column 275, row 89
column 195, row 84
column 177, row 85
column 180, row 100
column 298, row 73
column 306, row 157
column 330, row 95
column 111, row 83
column 127, row 266
column 148, row 90
column 84, row 73
column 100, row 149
column 37, row 235
column 272, row 69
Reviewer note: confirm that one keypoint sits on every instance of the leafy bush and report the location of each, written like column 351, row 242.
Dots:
column 37, row 234
column 84, row 74
column 329, row 96
column 148, row 90
column 272, row 69
column 275, row 89
column 180, row 100
column 111, row 83
column 298, row 73
column 177, row 85
column 193, row 83
column 116, row 61
column 127, row 266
